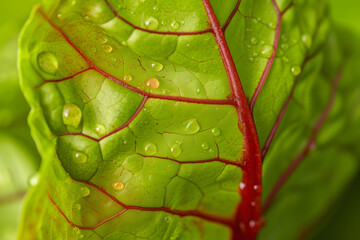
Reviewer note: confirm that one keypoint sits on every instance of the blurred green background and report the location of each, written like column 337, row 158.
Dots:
column 19, row 159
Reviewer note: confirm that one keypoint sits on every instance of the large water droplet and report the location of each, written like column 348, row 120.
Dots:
column 84, row 192
column 296, row 70
column 307, row 40
column 100, row 129
column 107, row 48
column 176, row 150
column 216, row 132
column 157, row 66
column 175, row 25
column 191, row 126
column 267, row 51
column 152, row 83
column 127, row 77
column 152, row 23
column 33, row 181
column 80, row 157
column 150, row 149
column 47, row 62
column 118, row 186
column 71, row 115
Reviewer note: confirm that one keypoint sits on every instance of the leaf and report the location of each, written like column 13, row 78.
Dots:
column 144, row 115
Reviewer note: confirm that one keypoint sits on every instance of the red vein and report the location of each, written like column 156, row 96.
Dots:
column 308, row 148
column 154, row 31
column 247, row 213
column 181, row 213
column 228, row 162
column 132, row 88
column 231, row 16
column 271, row 59
column 82, row 227
column 115, row 130
column 63, row 79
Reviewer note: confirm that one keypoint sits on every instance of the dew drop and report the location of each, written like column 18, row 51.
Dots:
column 118, row 186
column 100, row 129
column 47, row 62
column 254, row 41
column 84, row 192
column 242, row 186
column 152, row 83
column 150, row 149
column 253, row 203
column 167, row 219
column 152, row 23
column 127, row 78
column 77, row 206
column 216, row 132
column 257, row 188
column 157, row 66
column 80, row 157
column 267, row 51
column 251, row 59
column 176, row 150
column 252, row 223
column 272, row 25
column 175, row 25
column 296, row 70
column 205, row 146
column 33, row 181
column 198, row 90
column 191, row 126
column 93, row 49
column 58, row 15
column 107, row 48
column 306, row 39
column 71, row 115
column 284, row 46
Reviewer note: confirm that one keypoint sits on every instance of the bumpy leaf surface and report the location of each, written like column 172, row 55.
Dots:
column 144, row 112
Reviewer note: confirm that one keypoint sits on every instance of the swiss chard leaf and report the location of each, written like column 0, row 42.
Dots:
column 145, row 113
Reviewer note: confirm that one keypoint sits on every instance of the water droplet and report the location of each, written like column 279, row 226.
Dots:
column 272, row 25
column 127, row 77
column 267, row 51
column 77, row 206
column 198, row 90
column 118, row 186
column 152, row 23
column 255, row 54
column 157, row 66
column 284, row 46
column 152, row 83
column 257, row 188
column 175, row 25
column 107, row 48
column 71, row 115
column 100, row 129
column 84, row 192
column 33, row 181
column 93, row 49
column 80, row 157
column 254, row 41
column 150, row 149
column 252, row 223
column 255, row 20
column 307, row 40
column 47, row 62
column 251, row 59
column 191, row 126
column 216, row 131
column 176, row 150
column 242, row 186
column 102, row 39
column 59, row 15
column 205, row 146
column 296, row 70
column 253, row 203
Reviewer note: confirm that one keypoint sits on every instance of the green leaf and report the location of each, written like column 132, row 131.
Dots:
column 145, row 113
